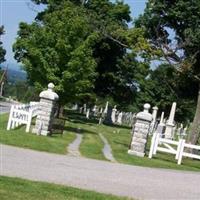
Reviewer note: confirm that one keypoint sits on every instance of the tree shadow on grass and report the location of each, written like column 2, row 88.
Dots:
column 76, row 130
column 117, row 126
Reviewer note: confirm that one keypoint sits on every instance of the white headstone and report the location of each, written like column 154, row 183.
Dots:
column 162, row 119
column 170, row 122
column 113, row 115
column 119, row 118
column 88, row 113
column 84, row 108
column 106, row 108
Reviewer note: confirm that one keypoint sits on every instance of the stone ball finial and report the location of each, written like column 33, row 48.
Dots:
column 49, row 93
column 145, row 115
column 147, row 106
column 51, row 86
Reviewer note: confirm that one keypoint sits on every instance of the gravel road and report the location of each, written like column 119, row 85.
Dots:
column 101, row 176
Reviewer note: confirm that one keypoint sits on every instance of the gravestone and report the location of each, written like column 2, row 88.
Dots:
column 45, row 117
column 154, row 115
column 108, row 117
column 84, row 108
column 119, row 118
column 94, row 110
column 106, row 108
column 170, row 122
column 88, row 113
column 113, row 115
column 140, row 132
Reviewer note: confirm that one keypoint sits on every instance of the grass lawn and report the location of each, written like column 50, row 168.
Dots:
column 20, row 189
column 18, row 137
column 118, row 137
column 91, row 145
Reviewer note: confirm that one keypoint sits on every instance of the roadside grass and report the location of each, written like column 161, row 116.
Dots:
column 91, row 145
column 20, row 189
column 118, row 137
column 18, row 137
column 120, row 140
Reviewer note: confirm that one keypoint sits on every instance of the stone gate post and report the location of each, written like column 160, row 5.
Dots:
column 48, row 99
column 140, row 132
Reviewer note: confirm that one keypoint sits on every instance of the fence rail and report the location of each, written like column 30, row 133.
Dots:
column 22, row 114
column 177, row 149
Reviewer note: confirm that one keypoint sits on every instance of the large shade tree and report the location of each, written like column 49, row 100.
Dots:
column 58, row 49
column 82, row 47
column 173, row 26
column 164, row 86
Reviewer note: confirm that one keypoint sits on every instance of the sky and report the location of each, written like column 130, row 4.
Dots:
column 12, row 12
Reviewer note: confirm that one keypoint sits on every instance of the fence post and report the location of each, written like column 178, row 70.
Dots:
column 28, row 125
column 10, row 118
column 181, row 151
column 178, row 149
column 156, row 144
column 153, row 140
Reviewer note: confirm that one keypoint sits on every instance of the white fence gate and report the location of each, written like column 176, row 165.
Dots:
column 22, row 114
column 163, row 145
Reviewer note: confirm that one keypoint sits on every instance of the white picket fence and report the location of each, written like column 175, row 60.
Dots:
column 22, row 114
column 164, row 145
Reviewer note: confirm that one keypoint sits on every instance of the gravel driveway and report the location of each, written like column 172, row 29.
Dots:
column 101, row 176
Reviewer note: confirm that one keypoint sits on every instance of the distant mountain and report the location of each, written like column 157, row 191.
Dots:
column 12, row 66
column 15, row 72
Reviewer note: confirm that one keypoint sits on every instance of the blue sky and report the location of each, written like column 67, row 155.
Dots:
column 14, row 11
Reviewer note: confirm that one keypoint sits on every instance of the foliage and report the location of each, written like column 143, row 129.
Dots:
column 164, row 86
column 21, row 91
column 161, row 18
column 2, row 51
column 181, row 18
column 89, row 57
column 58, row 50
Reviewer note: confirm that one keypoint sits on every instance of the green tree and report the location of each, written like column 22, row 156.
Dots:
column 82, row 47
column 2, row 50
column 161, row 20
column 59, row 49
column 164, row 86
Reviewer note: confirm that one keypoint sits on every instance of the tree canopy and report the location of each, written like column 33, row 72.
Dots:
column 81, row 46
column 2, row 50
column 181, row 18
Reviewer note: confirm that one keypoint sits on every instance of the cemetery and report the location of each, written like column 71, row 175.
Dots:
column 99, row 99
column 127, row 137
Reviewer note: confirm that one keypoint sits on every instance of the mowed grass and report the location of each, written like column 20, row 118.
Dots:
column 18, row 137
column 91, row 145
column 20, row 189
column 119, row 138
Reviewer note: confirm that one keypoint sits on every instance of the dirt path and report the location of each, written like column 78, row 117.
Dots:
column 73, row 148
column 107, row 151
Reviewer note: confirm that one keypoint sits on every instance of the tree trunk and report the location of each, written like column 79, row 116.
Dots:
column 195, row 128
column 60, row 111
